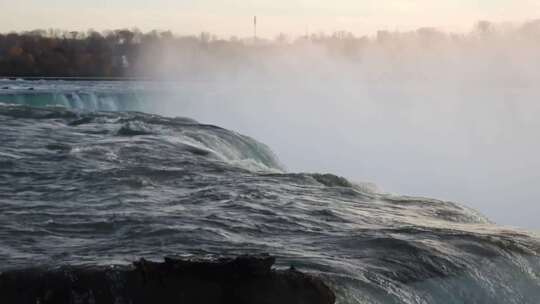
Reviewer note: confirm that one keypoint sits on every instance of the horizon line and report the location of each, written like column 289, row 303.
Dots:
column 265, row 37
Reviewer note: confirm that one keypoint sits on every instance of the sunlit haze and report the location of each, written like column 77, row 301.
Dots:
column 234, row 17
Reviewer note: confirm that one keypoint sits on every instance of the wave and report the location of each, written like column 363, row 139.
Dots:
column 183, row 133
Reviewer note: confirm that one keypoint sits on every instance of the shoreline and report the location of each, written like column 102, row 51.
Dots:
column 37, row 78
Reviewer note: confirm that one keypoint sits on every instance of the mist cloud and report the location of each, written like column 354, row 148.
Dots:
column 452, row 116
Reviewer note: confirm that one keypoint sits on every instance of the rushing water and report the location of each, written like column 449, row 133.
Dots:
column 105, row 185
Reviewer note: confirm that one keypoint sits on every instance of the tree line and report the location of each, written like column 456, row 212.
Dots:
column 132, row 53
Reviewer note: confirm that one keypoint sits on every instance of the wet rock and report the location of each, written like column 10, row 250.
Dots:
column 133, row 129
column 81, row 121
column 243, row 280
column 331, row 180
column 58, row 147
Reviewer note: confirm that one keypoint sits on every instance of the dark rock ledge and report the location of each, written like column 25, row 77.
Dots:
column 243, row 280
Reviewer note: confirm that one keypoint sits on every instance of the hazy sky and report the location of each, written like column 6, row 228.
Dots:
column 234, row 17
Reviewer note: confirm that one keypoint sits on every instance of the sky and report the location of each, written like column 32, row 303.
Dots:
column 234, row 17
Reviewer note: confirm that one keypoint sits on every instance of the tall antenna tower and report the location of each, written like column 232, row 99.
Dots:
column 255, row 28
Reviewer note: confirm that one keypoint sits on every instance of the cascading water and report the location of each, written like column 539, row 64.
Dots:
column 79, row 185
column 82, row 95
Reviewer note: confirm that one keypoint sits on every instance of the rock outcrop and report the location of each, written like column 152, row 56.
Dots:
column 243, row 280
